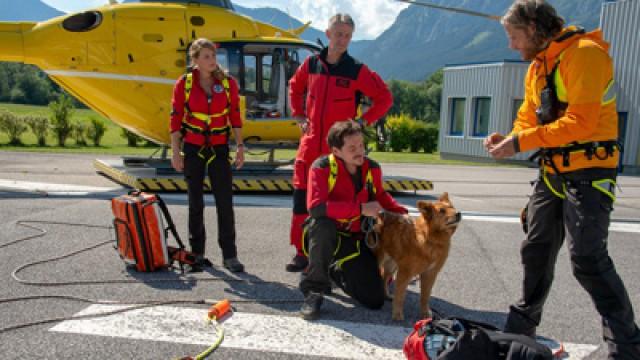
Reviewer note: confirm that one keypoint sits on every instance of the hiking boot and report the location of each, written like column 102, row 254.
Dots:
column 311, row 307
column 233, row 265
column 193, row 268
column 297, row 264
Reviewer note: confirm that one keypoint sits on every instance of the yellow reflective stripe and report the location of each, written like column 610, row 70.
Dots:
column 188, row 84
column 349, row 257
column 608, row 96
column 335, row 251
column 304, row 244
column 561, row 90
column 225, row 84
column 349, row 220
column 369, row 180
column 206, row 117
column 333, row 172
column 610, row 93
column 548, row 183
column 606, row 186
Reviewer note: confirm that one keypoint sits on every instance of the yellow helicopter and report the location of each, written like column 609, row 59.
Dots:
column 122, row 60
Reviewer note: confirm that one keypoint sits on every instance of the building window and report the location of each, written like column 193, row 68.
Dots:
column 517, row 103
column 457, row 116
column 481, row 118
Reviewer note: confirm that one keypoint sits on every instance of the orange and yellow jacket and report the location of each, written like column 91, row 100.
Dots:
column 584, row 80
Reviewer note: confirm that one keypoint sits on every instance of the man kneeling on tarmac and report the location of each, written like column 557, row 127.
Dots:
column 343, row 187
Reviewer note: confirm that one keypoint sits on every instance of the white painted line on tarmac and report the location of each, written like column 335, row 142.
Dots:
column 258, row 332
column 40, row 187
column 615, row 226
column 281, row 201
column 254, row 332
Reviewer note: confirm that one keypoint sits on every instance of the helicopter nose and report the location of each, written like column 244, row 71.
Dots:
column 12, row 40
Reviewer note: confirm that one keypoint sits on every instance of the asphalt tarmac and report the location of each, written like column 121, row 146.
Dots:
column 481, row 278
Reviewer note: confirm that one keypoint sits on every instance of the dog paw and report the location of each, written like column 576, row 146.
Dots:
column 398, row 316
column 388, row 297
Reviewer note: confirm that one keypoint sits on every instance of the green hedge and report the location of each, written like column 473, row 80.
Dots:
column 407, row 133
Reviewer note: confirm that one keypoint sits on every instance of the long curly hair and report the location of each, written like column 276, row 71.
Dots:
column 523, row 13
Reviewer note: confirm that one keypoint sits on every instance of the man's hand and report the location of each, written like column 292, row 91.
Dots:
column 505, row 149
column 492, row 140
column 303, row 123
column 371, row 208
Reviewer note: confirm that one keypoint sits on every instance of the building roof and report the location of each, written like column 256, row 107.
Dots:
column 486, row 63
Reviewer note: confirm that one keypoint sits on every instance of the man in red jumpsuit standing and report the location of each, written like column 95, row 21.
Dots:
column 325, row 89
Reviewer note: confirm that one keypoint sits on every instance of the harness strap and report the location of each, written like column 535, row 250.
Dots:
column 333, row 176
column 206, row 118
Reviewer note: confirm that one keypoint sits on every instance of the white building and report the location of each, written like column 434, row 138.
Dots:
column 619, row 22
column 479, row 99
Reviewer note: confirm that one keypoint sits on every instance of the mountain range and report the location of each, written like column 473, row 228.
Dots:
column 420, row 41
column 26, row 10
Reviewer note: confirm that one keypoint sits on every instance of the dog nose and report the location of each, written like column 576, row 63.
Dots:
column 458, row 216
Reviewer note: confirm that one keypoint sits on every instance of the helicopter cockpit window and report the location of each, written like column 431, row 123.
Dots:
column 267, row 69
column 250, row 73
column 85, row 21
column 222, row 58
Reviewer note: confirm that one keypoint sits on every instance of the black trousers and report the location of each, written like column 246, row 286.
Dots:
column 582, row 217
column 219, row 172
column 358, row 277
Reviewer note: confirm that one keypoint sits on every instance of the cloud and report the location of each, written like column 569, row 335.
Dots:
column 372, row 17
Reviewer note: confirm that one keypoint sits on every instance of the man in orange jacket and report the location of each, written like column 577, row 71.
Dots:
column 569, row 114
column 327, row 88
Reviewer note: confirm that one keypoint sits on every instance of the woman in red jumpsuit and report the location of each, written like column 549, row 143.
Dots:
column 205, row 111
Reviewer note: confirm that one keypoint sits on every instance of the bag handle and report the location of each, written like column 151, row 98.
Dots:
column 171, row 226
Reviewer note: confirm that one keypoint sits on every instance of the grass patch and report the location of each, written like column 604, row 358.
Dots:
column 114, row 144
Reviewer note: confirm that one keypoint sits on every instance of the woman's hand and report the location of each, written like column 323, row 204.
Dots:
column 239, row 156
column 177, row 161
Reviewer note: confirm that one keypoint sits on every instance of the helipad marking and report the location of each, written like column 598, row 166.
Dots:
column 254, row 332
column 615, row 226
column 255, row 200
column 258, row 332
column 49, row 188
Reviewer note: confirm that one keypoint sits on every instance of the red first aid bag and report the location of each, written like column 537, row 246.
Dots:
column 142, row 224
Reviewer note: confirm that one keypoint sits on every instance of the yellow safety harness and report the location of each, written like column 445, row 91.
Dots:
column 206, row 130
column 333, row 175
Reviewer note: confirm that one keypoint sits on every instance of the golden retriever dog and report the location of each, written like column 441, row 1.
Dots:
column 408, row 248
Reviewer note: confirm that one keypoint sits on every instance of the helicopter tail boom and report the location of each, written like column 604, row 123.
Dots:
column 12, row 40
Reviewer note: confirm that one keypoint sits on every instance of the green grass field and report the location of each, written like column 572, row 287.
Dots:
column 113, row 143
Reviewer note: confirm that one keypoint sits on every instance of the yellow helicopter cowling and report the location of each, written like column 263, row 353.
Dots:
column 123, row 60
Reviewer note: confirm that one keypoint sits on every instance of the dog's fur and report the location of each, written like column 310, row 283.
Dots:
column 413, row 248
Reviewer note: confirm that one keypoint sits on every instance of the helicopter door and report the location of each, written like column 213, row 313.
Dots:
column 149, row 40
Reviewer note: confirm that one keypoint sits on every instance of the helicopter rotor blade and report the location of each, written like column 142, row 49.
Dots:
column 452, row 9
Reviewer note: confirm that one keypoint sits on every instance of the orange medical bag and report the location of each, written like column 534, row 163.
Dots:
column 142, row 223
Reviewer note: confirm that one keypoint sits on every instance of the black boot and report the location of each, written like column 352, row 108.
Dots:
column 311, row 307
column 298, row 263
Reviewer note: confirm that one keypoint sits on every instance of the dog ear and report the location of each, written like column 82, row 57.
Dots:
column 445, row 197
column 426, row 208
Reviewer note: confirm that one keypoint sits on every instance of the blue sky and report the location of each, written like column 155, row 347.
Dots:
column 372, row 16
